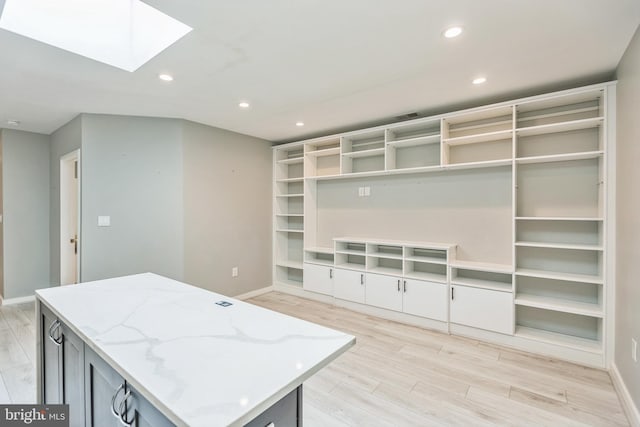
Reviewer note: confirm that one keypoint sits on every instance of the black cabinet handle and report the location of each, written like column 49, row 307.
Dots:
column 405, row 286
column 452, row 293
column 331, row 273
column 398, row 285
column 362, row 279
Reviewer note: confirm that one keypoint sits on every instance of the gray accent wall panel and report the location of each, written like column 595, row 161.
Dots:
column 132, row 172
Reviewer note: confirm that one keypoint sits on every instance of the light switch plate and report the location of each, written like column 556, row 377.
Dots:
column 104, row 221
column 367, row 191
column 360, row 191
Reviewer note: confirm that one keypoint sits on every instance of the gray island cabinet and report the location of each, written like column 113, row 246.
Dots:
column 145, row 350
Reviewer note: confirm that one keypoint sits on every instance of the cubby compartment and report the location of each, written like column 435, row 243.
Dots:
column 286, row 205
column 388, row 251
column 383, row 265
column 363, row 152
column 482, row 279
column 482, row 136
column 433, row 256
column 426, row 271
column 570, row 189
column 290, row 223
column 289, row 249
column 322, row 158
column 555, row 327
column 560, row 110
column 350, row 261
column 561, row 233
column 289, row 187
column 484, row 151
column 566, row 264
column 289, row 276
column 317, row 256
column 413, row 146
column 560, row 295
column 356, row 248
column 588, row 140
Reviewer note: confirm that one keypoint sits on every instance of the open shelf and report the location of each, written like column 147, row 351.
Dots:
column 483, row 284
column 479, row 164
column 319, row 249
column 299, row 179
column 290, row 195
column 429, row 277
column 351, row 266
column 557, row 218
column 322, row 152
column 385, row 270
column 560, row 127
column 289, row 264
column 483, row 137
column 291, row 161
column 560, row 246
column 578, row 343
column 289, row 230
column 559, row 157
column 414, row 142
column 365, row 153
column 557, row 304
column 571, row 277
column 482, row 266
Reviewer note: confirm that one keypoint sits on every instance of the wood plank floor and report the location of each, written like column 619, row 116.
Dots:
column 396, row 375
column 17, row 353
column 399, row 375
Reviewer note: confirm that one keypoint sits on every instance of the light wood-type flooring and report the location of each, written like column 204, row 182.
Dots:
column 396, row 375
column 399, row 375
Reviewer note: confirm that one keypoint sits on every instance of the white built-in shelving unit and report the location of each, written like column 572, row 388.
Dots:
column 553, row 296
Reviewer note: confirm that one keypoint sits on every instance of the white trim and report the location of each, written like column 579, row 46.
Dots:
column 18, row 300
column 625, row 397
column 254, row 293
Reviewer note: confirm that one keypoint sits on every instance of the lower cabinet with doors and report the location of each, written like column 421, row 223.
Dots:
column 112, row 401
column 318, row 278
column 62, row 366
column 416, row 297
column 482, row 308
column 349, row 285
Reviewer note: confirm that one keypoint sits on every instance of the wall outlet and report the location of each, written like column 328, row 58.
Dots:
column 360, row 191
column 634, row 350
column 234, row 272
column 367, row 191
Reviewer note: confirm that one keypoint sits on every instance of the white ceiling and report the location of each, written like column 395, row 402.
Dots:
column 333, row 64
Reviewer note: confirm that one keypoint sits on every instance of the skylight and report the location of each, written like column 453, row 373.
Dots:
column 122, row 33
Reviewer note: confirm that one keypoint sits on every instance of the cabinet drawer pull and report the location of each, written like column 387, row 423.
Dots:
column 55, row 325
column 123, row 410
column 113, row 401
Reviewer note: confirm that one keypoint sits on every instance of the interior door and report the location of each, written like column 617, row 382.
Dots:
column 69, row 217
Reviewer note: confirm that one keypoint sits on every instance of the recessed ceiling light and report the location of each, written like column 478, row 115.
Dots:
column 166, row 77
column 452, row 32
column 299, row 124
column 479, row 80
column 244, row 104
column 123, row 33
column 13, row 122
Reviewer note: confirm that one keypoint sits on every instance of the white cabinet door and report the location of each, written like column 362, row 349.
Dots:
column 384, row 291
column 349, row 285
column 482, row 308
column 318, row 278
column 425, row 299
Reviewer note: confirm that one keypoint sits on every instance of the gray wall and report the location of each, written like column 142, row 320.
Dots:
column 25, row 188
column 63, row 141
column 131, row 171
column 627, row 217
column 227, row 209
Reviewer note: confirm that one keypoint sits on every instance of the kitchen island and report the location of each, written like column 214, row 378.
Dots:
column 146, row 350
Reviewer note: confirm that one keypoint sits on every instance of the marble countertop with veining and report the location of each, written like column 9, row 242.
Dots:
column 199, row 363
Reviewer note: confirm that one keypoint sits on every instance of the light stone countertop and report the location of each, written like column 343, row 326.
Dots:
column 199, row 363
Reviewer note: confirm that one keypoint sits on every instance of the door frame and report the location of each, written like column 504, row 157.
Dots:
column 66, row 162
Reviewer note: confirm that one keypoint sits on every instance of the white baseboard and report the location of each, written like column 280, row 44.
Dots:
column 255, row 293
column 19, row 300
column 625, row 397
